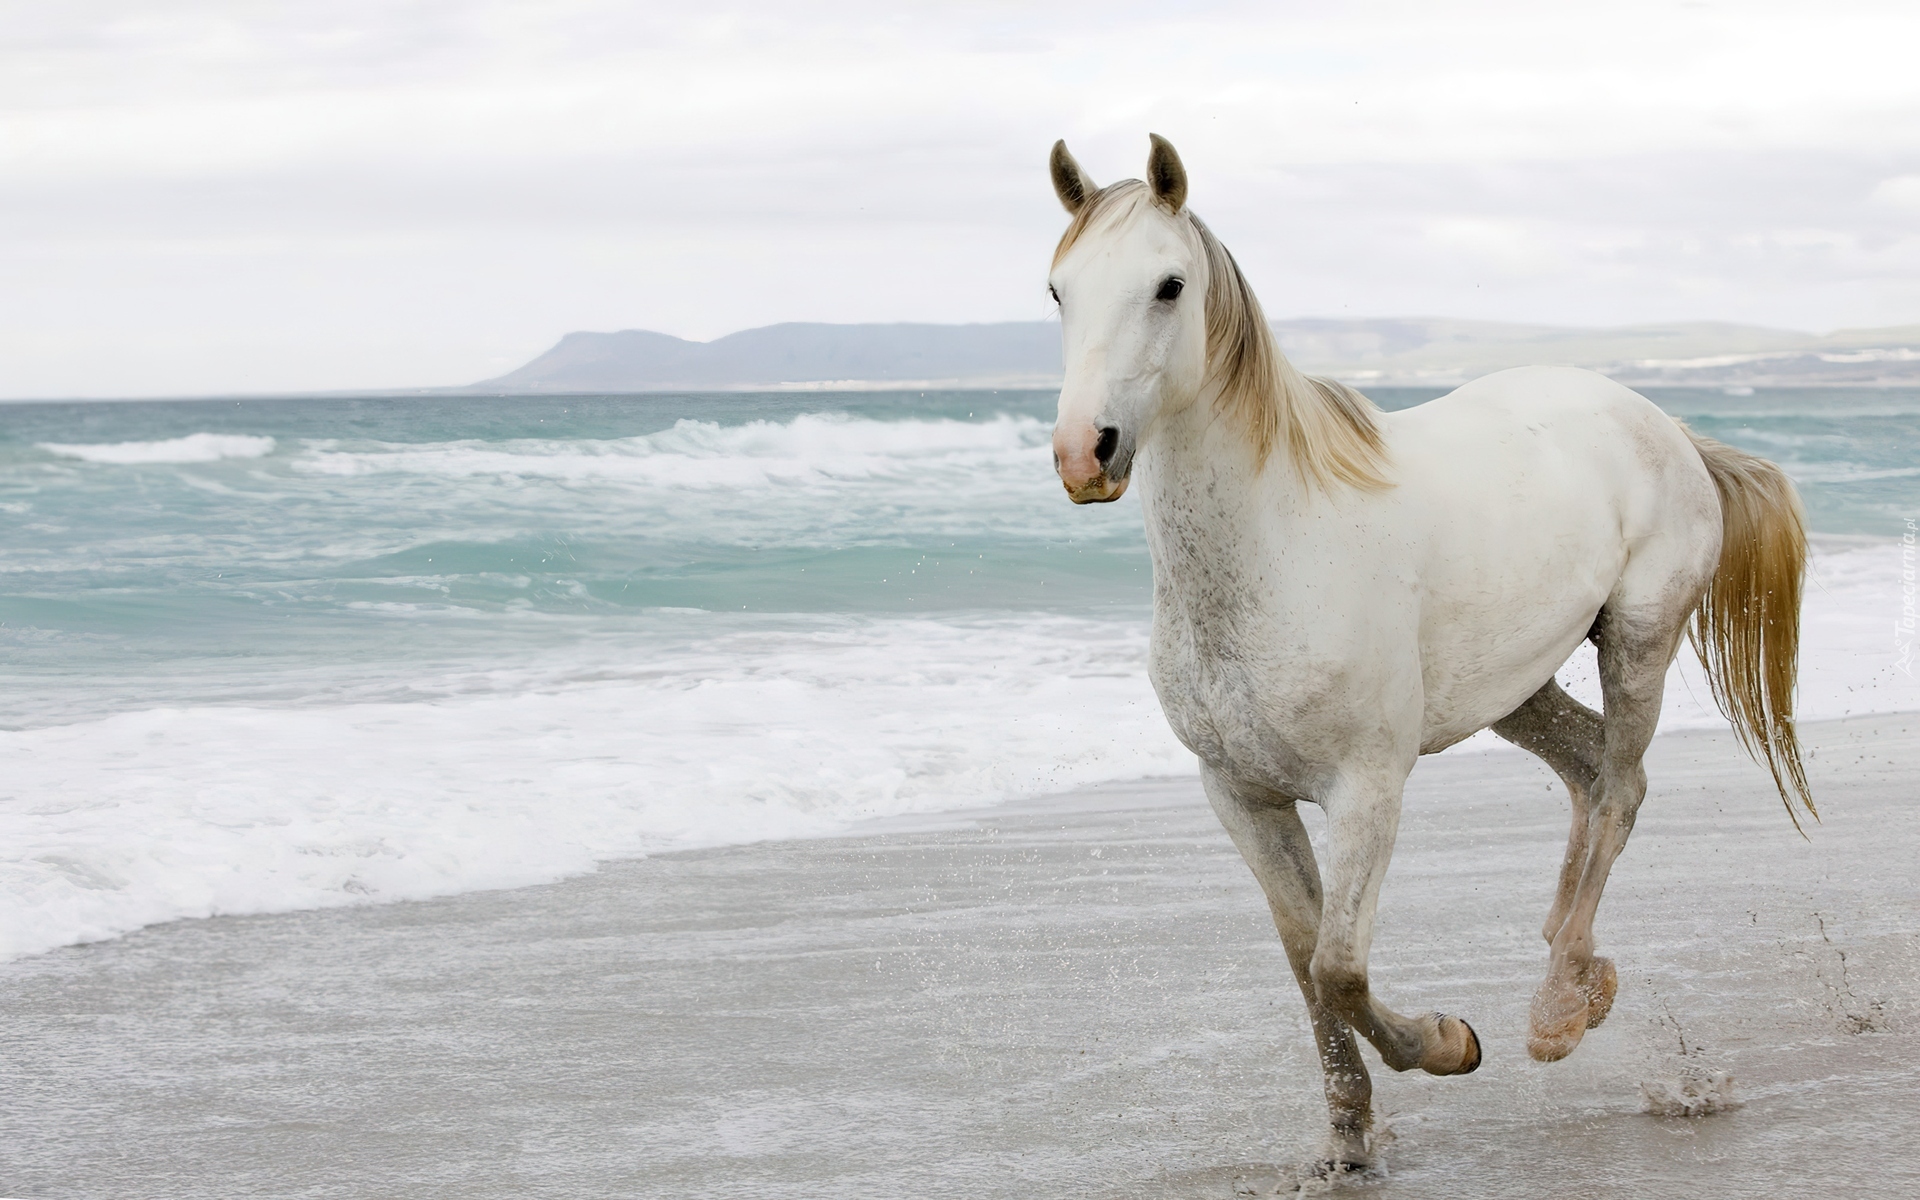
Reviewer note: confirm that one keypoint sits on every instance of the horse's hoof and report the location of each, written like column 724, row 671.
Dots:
column 1599, row 983
column 1472, row 1063
column 1557, row 1022
column 1458, row 1049
column 1552, row 1046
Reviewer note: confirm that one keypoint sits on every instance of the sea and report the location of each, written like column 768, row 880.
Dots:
column 259, row 655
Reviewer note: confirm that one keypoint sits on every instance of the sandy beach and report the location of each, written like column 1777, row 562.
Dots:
column 1076, row 996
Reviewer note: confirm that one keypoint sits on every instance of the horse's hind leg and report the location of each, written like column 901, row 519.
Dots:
column 1269, row 835
column 1569, row 737
column 1636, row 647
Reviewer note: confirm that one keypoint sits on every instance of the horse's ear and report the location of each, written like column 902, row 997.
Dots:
column 1165, row 174
column 1070, row 183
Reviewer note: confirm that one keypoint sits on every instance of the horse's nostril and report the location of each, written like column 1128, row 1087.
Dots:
column 1108, row 443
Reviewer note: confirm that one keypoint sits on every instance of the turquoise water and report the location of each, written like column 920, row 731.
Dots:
column 373, row 535
column 328, row 545
column 1854, row 453
column 282, row 653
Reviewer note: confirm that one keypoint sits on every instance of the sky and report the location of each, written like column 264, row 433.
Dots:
column 201, row 197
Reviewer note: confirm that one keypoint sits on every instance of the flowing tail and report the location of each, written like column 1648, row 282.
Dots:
column 1747, row 629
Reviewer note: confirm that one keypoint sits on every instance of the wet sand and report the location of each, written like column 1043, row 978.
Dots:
column 1078, row 996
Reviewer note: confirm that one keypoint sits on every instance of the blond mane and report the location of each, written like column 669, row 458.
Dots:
column 1329, row 428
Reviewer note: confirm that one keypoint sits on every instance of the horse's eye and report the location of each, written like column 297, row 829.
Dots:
column 1170, row 289
column 1054, row 294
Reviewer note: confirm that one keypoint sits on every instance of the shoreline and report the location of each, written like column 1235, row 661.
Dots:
column 935, row 820
column 1069, row 995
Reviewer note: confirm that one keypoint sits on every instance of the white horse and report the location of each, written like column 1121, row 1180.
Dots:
column 1337, row 591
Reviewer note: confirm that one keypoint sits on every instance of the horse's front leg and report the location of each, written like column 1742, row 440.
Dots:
column 1363, row 815
column 1267, row 830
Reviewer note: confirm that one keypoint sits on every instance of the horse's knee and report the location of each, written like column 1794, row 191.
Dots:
column 1627, row 784
column 1617, row 798
column 1341, row 987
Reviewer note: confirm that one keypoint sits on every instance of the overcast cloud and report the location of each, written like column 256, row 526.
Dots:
column 218, row 197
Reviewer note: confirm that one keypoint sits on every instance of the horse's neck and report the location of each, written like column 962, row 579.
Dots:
column 1214, row 516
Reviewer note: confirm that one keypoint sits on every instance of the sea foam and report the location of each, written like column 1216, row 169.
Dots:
column 154, row 815
column 819, row 448
column 167, row 813
column 193, row 448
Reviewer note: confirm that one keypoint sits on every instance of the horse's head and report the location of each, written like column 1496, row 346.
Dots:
column 1131, row 277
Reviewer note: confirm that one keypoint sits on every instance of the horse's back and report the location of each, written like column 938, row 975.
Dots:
column 1583, row 416
column 1534, row 496
column 1544, row 454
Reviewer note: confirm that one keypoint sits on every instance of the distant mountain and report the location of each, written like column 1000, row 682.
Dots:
column 1012, row 354
column 1381, row 352
column 1710, row 354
